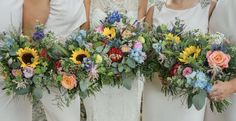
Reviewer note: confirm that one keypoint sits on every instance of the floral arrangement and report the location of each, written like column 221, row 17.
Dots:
column 24, row 62
column 189, row 63
column 118, row 41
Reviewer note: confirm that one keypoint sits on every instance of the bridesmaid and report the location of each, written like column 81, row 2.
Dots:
column 12, row 108
column 62, row 17
column 195, row 14
column 113, row 103
column 223, row 20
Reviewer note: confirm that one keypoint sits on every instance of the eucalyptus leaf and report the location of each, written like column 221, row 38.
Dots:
column 131, row 63
column 128, row 79
column 199, row 99
column 83, row 85
column 38, row 93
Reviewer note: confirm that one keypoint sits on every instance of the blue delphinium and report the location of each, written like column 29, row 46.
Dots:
column 114, row 17
column 138, row 55
column 87, row 64
column 38, row 35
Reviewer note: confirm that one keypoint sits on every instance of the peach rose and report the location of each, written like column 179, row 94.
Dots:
column 68, row 82
column 218, row 58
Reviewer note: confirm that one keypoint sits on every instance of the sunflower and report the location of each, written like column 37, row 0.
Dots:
column 28, row 57
column 110, row 33
column 191, row 51
column 78, row 55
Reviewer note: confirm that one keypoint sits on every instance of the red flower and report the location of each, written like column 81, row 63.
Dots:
column 44, row 54
column 57, row 65
column 115, row 54
column 174, row 69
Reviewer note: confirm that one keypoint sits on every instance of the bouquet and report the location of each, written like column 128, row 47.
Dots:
column 24, row 62
column 189, row 63
column 119, row 42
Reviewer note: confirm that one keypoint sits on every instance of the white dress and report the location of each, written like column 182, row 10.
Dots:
column 12, row 108
column 113, row 103
column 65, row 16
column 223, row 20
column 158, row 107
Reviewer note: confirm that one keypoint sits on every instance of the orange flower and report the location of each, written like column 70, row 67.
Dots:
column 68, row 82
column 218, row 58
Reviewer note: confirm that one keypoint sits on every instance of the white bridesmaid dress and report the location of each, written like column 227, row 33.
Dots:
column 223, row 20
column 65, row 16
column 12, row 108
column 113, row 103
column 158, row 107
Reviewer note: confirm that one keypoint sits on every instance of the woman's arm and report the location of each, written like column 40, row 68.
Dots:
column 86, row 25
column 149, row 16
column 142, row 9
column 34, row 11
column 212, row 7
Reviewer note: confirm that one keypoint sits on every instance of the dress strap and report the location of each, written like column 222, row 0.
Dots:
column 205, row 3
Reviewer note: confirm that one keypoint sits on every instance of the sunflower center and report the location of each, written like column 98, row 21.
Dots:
column 80, row 57
column 28, row 58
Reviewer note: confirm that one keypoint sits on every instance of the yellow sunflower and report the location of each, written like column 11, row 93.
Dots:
column 110, row 33
column 78, row 55
column 191, row 51
column 171, row 37
column 28, row 57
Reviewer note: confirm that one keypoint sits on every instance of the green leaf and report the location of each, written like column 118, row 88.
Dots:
column 199, row 99
column 128, row 79
column 83, row 85
column 131, row 63
column 22, row 91
column 120, row 67
column 38, row 93
column 190, row 101
column 99, row 49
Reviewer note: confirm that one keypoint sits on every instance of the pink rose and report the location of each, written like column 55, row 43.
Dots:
column 218, row 58
column 16, row 72
column 187, row 71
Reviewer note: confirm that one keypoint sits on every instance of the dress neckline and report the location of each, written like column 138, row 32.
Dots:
column 181, row 10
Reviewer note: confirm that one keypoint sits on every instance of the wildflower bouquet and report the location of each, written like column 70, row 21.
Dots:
column 190, row 63
column 119, row 42
column 24, row 63
column 77, row 73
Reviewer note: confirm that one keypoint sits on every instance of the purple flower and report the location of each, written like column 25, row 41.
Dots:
column 38, row 35
column 87, row 64
column 28, row 72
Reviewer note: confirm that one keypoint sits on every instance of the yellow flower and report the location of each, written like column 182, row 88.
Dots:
column 110, row 33
column 177, row 39
column 141, row 39
column 78, row 55
column 191, row 51
column 171, row 37
column 28, row 57
column 98, row 59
